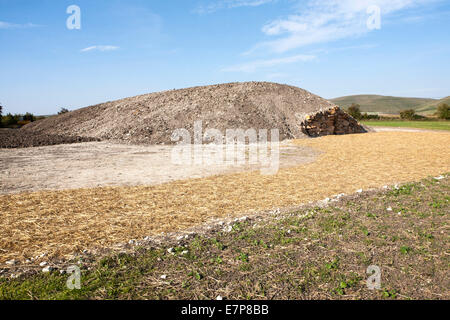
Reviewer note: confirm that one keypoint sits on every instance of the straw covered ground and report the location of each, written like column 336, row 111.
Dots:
column 62, row 222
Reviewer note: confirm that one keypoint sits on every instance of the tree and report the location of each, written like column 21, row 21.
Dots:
column 355, row 111
column 443, row 111
column 63, row 110
column 409, row 114
column 29, row 117
column 10, row 120
column 1, row 115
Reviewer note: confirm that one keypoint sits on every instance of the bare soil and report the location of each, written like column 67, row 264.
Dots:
column 101, row 164
column 15, row 138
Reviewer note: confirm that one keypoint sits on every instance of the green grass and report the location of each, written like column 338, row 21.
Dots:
column 431, row 125
column 314, row 253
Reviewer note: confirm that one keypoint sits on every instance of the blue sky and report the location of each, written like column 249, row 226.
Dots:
column 126, row 48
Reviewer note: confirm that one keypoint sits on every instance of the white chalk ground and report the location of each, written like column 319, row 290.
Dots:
column 97, row 164
column 100, row 164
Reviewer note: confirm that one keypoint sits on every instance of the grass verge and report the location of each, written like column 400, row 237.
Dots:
column 430, row 125
column 316, row 253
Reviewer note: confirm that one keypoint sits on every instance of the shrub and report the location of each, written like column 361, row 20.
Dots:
column 366, row 116
column 63, row 110
column 10, row 120
column 443, row 111
column 355, row 111
column 29, row 117
column 408, row 114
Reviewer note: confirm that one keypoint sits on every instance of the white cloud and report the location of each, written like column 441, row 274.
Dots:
column 100, row 48
column 321, row 21
column 230, row 4
column 259, row 64
column 339, row 49
column 8, row 25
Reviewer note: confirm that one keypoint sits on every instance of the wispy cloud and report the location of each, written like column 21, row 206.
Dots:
column 259, row 64
column 9, row 25
column 229, row 4
column 339, row 49
column 100, row 48
column 421, row 17
column 321, row 21
column 276, row 75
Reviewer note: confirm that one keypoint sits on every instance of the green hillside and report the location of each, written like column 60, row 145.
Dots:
column 431, row 108
column 386, row 104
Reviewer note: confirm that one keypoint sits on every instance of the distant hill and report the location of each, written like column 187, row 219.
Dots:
column 389, row 105
column 431, row 108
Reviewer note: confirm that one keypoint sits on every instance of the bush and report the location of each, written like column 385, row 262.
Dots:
column 366, row 116
column 408, row 114
column 29, row 117
column 355, row 111
column 10, row 120
column 63, row 110
column 443, row 111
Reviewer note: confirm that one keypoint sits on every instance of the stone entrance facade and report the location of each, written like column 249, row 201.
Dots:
column 331, row 122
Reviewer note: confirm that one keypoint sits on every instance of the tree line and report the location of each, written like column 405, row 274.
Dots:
column 15, row 119
column 10, row 119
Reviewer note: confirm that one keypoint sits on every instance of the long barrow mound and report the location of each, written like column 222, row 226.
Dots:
column 152, row 118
